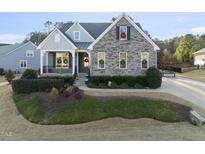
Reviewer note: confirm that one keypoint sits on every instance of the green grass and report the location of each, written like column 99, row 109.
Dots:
column 32, row 109
column 91, row 109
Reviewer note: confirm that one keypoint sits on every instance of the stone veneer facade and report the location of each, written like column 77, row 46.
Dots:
column 111, row 46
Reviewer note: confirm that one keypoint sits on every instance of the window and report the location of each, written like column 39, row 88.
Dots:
column 23, row 63
column 57, row 37
column 76, row 35
column 123, row 32
column 101, row 60
column 123, row 59
column 145, row 60
column 29, row 53
column 62, row 60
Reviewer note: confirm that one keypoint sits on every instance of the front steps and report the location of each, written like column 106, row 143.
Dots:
column 80, row 80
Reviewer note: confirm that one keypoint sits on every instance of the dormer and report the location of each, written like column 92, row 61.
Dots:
column 78, row 34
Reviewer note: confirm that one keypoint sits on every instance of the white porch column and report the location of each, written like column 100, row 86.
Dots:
column 73, row 58
column 46, row 62
column 77, row 62
column 41, row 61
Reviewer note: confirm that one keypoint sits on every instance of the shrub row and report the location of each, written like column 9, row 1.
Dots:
column 119, row 80
column 67, row 79
column 152, row 79
column 34, row 85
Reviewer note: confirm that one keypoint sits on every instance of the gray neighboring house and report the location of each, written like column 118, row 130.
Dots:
column 19, row 57
column 117, row 48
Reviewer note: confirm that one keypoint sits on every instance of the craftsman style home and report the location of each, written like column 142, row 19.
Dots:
column 117, row 48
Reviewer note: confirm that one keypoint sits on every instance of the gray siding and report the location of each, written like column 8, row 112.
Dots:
column 84, row 37
column 11, row 61
column 50, row 44
column 111, row 46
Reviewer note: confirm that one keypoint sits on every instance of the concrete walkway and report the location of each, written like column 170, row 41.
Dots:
column 188, row 89
column 3, row 83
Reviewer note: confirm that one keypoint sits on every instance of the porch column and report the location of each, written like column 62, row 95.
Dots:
column 77, row 62
column 73, row 58
column 89, row 64
column 41, row 61
column 46, row 62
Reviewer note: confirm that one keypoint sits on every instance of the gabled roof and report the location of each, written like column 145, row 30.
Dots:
column 94, row 29
column 82, row 45
column 139, row 29
column 62, row 34
column 5, row 50
column 200, row 51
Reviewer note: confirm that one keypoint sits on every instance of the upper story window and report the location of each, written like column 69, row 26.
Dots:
column 145, row 60
column 123, row 59
column 123, row 32
column 76, row 35
column 101, row 60
column 57, row 37
column 29, row 53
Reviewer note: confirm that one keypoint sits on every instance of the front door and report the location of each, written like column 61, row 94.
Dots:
column 83, row 62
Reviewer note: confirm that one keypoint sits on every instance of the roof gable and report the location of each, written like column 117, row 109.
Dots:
column 84, row 35
column 139, row 29
column 66, row 40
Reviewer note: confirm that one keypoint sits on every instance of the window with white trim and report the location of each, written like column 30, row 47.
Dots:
column 23, row 63
column 76, row 35
column 123, row 59
column 29, row 53
column 145, row 60
column 123, row 32
column 57, row 37
column 101, row 60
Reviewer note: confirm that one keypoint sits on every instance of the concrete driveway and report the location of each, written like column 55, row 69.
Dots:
column 188, row 89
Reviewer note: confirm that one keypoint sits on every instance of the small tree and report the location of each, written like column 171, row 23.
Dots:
column 29, row 74
column 9, row 76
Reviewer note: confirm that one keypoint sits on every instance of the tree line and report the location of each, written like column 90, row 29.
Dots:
column 179, row 49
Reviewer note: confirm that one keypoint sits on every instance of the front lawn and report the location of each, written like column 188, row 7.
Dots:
column 91, row 108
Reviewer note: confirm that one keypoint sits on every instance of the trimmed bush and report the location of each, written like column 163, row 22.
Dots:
column 124, row 86
column 29, row 74
column 9, row 76
column 114, row 85
column 67, row 79
column 35, row 85
column 2, row 71
column 138, row 86
column 154, row 77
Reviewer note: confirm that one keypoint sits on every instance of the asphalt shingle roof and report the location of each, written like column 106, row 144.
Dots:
column 94, row 29
column 8, row 48
column 82, row 45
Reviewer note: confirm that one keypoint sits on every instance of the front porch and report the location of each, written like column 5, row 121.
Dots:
column 55, row 63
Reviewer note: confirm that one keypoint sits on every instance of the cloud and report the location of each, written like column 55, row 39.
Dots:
column 198, row 30
column 11, row 38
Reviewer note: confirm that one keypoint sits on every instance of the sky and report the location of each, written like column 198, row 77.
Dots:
column 15, row 26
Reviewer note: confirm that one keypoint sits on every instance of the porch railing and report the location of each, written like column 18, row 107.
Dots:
column 51, row 69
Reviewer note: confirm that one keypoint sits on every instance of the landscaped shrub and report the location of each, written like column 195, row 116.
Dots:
column 66, row 93
column 124, row 86
column 29, row 74
column 138, row 86
column 102, row 81
column 154, row 77
column 77, row 95
column 9, row 76
column 1, row 71
column 35, row 85
column 67, row 79
column 75, row 89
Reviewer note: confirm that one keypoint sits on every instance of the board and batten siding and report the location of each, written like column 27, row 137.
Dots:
column 63, row 44
column 11, row 61
column 84, row 37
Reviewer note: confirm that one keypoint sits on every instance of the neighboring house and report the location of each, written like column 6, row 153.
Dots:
column 19, row 57
column 199, row 57
column 117, row 48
